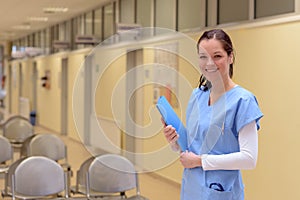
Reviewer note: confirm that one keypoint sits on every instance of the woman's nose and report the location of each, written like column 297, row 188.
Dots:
column 210, row 61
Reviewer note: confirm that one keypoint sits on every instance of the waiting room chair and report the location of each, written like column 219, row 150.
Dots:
column 16, row 129
column 7, row 191
column 38, row 177
column 79, row 188
column 6, row 154
column 51, row 146
column 109, row 176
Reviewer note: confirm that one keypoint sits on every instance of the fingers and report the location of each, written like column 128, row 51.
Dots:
column 171, row 134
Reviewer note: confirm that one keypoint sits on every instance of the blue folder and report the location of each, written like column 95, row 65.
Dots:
column 171, row 118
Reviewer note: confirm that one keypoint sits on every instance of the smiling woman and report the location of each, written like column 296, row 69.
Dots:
column 215, row 53
column 222, row 123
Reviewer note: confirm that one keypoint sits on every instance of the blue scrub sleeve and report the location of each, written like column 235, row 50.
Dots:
column 248, row 111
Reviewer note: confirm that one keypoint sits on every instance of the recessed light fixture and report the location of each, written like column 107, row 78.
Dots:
column 38, row 19
column 22, row 27
column 50, row 10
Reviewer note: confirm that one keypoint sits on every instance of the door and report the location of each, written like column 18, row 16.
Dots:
column 88, row 105
column 34, row 89
column 64, row 96
column 136, row 110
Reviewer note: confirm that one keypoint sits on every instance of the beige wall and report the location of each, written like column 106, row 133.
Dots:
column 267, row 63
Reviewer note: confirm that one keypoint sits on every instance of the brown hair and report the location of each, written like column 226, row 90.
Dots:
column 224, row 38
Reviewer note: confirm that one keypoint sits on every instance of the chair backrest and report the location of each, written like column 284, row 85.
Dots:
column 111, row 173
column 6, row 150
column 81, row 173
column 38, row 176
column 9, row 175
column 17, row 129
column 48, row 145
column 24, row 151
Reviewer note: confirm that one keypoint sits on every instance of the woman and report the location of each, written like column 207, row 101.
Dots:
column 222, row 123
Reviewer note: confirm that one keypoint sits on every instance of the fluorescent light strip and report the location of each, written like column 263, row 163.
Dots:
column 55, row 10
column 38, row 19
column 22, row 27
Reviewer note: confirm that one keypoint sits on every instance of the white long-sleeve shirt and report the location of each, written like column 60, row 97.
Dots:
column 246, row 158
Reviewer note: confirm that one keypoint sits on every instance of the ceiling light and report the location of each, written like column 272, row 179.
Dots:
column 55, row 10
column 38, row 19
column 22, row 27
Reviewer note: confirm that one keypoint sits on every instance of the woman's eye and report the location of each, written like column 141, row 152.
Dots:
column 203, row 57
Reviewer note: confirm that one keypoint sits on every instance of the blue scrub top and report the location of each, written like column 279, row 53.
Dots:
column 214, row 130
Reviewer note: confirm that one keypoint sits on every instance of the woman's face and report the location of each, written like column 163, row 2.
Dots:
column 213, row 60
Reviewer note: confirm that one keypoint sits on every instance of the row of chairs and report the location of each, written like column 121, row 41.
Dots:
column 44, row 144
column 14, row 131
column 107, row 176
column 43, row 168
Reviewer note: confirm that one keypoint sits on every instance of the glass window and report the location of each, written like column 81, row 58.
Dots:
column 68, row 30
column 89, row 23
column 108, row 21
column 80, row 29
column 98, row 23
column 62, row 32
column 264, row 8
column 191, row 14
column 22, row 43
column 232, row 10
column 127, row 12
column 37, row 39
column 42, row 40
column 144, row 13
column 74, row 30
column 47, row 40
column 55, row 32
column 29, row 41
column 165, row 14
column 80, row 25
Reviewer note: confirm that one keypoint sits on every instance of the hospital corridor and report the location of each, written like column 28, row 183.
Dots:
column 80, row 86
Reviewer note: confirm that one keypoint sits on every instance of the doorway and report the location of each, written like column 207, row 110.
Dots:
column 134, row 58
column 64, row 96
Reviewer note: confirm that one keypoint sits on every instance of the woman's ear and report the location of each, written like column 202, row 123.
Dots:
column 231, row 58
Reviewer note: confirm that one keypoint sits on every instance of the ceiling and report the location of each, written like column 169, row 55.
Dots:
column 16, row 13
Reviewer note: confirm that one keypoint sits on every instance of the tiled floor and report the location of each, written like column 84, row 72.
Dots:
column 152, row 187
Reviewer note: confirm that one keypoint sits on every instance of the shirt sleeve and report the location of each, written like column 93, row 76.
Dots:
column 247, row 111
column 246, row 158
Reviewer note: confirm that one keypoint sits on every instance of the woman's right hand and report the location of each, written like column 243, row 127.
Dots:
column 170, row 133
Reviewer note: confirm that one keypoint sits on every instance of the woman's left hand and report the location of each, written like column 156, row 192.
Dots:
column 190, row 160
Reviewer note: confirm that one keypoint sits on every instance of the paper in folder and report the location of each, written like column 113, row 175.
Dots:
column 171, row 118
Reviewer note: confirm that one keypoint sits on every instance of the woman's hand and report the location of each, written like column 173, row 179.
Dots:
column 190, row 160
column 171, row 136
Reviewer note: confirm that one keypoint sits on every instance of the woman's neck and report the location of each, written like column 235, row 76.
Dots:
column 218, row 89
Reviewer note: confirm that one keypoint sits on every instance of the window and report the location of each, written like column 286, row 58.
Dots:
column 127, row 11
column 232, row 11
column 62, row 32
column 191, row 14
column 48, row 40
column 98, row 23
column 108, row 21
column 165, row 14
column 89, row 23
column 263, row 8
column 144, row 13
